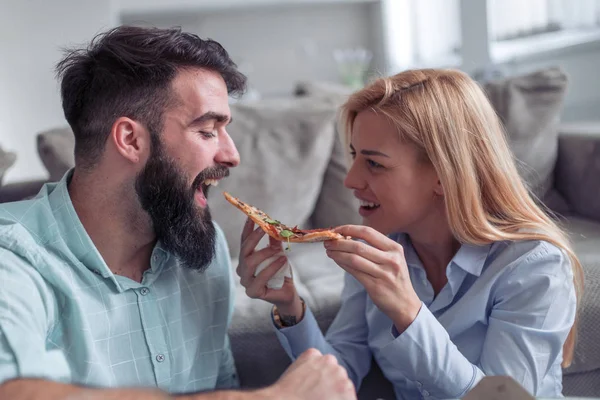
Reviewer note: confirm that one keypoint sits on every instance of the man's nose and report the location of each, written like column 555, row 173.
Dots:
column 228, row 154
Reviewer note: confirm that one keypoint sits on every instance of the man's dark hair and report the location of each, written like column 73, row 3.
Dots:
column 127, row 72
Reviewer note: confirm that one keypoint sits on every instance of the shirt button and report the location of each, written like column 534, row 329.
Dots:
column 160, row 357
column 155, row 258
column 97, row 272
column 144, row 291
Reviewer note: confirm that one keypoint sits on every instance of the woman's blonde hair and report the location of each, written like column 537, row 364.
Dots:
column 447, row 116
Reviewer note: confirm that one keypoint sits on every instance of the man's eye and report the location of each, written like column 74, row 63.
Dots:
column 353, row 154
column 208, row 135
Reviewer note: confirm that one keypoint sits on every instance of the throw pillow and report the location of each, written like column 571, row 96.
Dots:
column 7, row 159
column 56, row 150
column 285, row 147
column 530, row 106
column 336, row 204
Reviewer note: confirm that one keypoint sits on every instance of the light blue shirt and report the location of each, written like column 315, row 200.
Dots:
column 64, row 316
column 506, row 310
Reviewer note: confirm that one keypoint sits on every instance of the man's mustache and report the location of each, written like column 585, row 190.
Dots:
column 216, row 172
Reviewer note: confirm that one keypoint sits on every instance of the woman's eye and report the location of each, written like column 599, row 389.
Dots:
column 373, row 164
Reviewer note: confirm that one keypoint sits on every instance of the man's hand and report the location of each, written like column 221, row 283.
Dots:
column 314, row 376
column 286, row 299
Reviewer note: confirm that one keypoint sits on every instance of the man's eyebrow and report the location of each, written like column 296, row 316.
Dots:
column 370, row 152
column 211, row 116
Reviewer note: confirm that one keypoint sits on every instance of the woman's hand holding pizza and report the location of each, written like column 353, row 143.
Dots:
column 378, row 264
column 285, row 299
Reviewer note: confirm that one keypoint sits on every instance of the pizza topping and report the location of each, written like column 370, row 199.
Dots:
column 286, row 234
column 279, row 231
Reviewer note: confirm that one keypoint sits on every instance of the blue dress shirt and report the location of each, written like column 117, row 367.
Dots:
column 506, row 310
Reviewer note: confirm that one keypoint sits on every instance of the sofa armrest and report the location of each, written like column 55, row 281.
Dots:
column 20, row 190
column 577, row 171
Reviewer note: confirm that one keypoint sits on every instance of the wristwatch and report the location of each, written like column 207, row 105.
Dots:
column 284, row 321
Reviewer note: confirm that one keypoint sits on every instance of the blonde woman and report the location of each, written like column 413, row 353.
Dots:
column 458, row 274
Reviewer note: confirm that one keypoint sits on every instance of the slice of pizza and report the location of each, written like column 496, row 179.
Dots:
column 279, row 231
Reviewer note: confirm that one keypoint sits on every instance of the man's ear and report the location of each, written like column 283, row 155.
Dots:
column 131, row 139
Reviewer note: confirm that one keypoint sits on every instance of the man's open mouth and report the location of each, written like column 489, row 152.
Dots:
column 202, row 188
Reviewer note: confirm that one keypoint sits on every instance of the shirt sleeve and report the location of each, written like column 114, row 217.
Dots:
column 228, row 377
column 26, row 311
column 534, row 309
column 346, row 339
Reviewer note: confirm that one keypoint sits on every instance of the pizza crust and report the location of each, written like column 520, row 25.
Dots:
column 273, row 229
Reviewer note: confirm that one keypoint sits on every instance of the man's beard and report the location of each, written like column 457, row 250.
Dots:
column 183, row 228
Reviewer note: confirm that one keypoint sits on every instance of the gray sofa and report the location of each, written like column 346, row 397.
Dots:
column 293, row 167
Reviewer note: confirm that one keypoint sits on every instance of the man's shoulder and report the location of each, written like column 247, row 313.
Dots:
column 28, row 227
column 24, row 222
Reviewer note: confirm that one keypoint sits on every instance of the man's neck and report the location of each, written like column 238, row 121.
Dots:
column 118, row 227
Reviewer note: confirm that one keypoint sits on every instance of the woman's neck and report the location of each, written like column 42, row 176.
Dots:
column 436, row 249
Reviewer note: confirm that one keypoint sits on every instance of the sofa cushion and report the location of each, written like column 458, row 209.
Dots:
column 530, row 106
column 56, row 150
column 285, row 147
column 578, row 168
column 336, row 204
column 329, row 91
column 585, row 236
column 7, row 159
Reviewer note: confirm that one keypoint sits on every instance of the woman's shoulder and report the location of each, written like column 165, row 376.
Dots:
column 529, row 257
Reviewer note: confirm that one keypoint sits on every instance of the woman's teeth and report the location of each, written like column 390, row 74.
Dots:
column 368, row 204
column 211, row 182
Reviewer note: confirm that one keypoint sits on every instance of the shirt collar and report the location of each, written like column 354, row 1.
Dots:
column 470, row 258
column 77, row 240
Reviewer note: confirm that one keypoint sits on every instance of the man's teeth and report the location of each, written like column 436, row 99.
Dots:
column 211, row 182
column 368, row 204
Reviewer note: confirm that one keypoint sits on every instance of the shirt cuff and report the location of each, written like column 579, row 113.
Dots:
column 304, row 335
column 432, row 361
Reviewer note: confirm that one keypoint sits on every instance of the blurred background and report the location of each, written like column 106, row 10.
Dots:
column 280, row 42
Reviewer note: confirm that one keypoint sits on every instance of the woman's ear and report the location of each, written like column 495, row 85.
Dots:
column 438, row 189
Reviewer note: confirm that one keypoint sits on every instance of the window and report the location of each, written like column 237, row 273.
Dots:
column 422, row 33
column 522, row 28
column 480, row 34
column 513, row 19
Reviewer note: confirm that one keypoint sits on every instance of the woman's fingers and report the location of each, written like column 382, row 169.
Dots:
column 355, row 264
column 251, row 242
column 368, row 234
column 258, row 285
column 248, row 228
column 359, row 248
column 255, row 259
column 275, row 243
